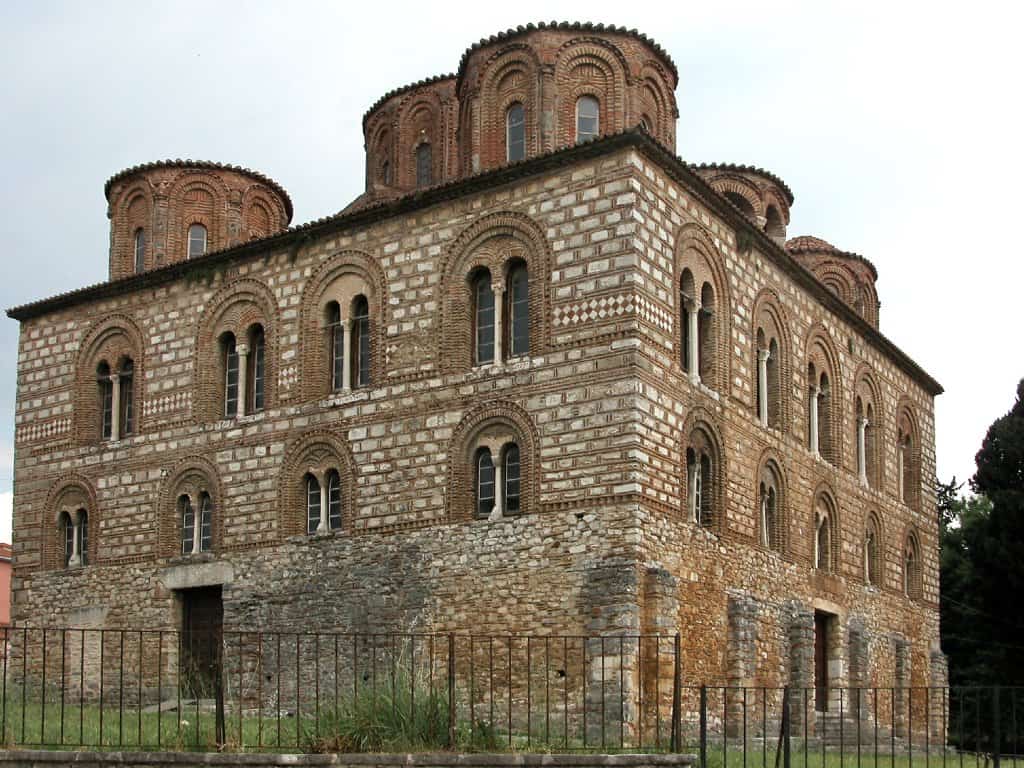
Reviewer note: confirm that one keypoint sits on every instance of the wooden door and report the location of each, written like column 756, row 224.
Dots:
column 821, row 662
column 203, row 620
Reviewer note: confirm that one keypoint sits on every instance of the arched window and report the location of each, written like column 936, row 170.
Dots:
column 688, row 348
column 867, row 449
column 872, row 552
column 707, row 334
column 770, row 513
column 126, row 406
column 196, row 240
column 588, row 120
column 701, row 469
column 819, row 414
column 229, row 358
column 512, row 480
column 483, row 306
column 67, row 537
column 337, row 345
column 515, row 133
column 767, row 380
column 911, row 569
column 518, row 312
column 312, row 503
column 825, row 535
column 82, row 534
column 106, row 399
column 188, row 524
column 140, row 250
column 205, row 522
column 334, row 499
column 385, row 172
column 256, row 370
column 774, row 226
column 424, row 165
column 484, row 483
column 907, row 461
column 196, row 525
column 360, row 341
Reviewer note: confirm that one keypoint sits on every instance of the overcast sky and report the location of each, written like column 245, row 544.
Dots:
column 897, row 126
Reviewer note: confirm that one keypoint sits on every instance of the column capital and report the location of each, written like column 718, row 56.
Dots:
column 763, row 355
column 242, row 349
column 814, row 390
column 346, row 324
column 863, row 421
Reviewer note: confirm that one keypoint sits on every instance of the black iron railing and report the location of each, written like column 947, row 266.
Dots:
column 295, row 691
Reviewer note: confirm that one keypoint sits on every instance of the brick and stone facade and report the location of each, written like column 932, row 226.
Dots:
column 612, row 416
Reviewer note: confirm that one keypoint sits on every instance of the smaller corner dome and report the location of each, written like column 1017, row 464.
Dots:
column 848, row 275
column 808, row 244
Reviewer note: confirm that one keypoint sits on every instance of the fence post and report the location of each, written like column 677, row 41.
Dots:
column 995, row 727
column 786, row 728
column 451, row 690
column 703, row 726
column 220, row 727
column 677, row 697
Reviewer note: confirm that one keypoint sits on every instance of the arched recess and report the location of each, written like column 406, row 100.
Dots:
column 696, row 253
column 824, row 381
column 868, row 405
column 340, row 279
column 495, row 423
column 69, row 494
column 838, row 279
column 741, row 193
column 192, row 476
column 419, row 122
column 657, row 97
column 493, row 242
column 770, row 323
column 314, row 453
column 197, row 197
column 113, row 340
column 911, row 565
column 511, row 75
column 135, row 212
column 262, row 213
column 908, row 454
column 702, row 436
column 380, row 157
column 588, row 66
column 772, row 519
column 826, row 531
column 873, row 550
column 235, row 309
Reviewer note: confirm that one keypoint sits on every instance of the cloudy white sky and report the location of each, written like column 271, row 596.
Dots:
column 896, row 124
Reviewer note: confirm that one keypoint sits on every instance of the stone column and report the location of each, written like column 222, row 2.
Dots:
column 324, row 525
column 499, row 497
column 692, row 312
column 242, row 351
column 115, row 407
column 346, row 355
column 902, row 683
column 813, row 425
column 76, row 557
column 939, row 681
column 197, row 525
column 691, row 490
column 762, row 385
column 801, row 669
column 862, row 456
column 499, row 336
column 741, row 657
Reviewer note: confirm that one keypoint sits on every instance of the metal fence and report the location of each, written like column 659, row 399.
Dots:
column 296, row 691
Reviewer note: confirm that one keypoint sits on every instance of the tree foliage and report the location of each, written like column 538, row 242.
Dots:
column 982, row 560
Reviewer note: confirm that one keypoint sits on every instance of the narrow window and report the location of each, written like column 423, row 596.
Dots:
column 687, row 308
column 385, row 172
column 823, row 542
column 361, row 341
column 230, row 355
column 67, row 530
column 872, row 565
column 83, row 537
column 312, row 504
column 256, row 363
column 825, row 447
column 424, row 166
column 515, row 133
column 337, row 333
column 196, row 240
column 334, row 500
column 774, row 386
column 484, row 483
column 512, row 480
column 127, row 415
column 707, row 341
column 587, row 119
column 706, row 491
column 188, row 524
column 140, row 250
column 519, row 312
column 106, row 398
column 484, row 299
column 205, row 523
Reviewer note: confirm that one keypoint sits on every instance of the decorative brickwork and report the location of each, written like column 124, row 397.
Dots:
column 112, row 340
column 315, row 453
column 192, row 476
column 67, row 496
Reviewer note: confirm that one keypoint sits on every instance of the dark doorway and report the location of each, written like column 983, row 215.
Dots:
column 822, row 622
column 202, row 620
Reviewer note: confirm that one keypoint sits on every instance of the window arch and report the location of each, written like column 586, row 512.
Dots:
column 483, row 317
column 107, row 381
column 323, row 500
column 318, row 486
column 74, row 537
column 517, row 310
column 106, row 399
column 771, row 522
column 255, row 362
column 196, row 240
column 588, row 119
column 115, row 393
column 908, row 459
column 768, row 379
column 702, row 291
column 65, row 530
column 313, row 505
column 67, row 538
column 703, row 502
column 826, row 534
column 689, row 350
column 515, row 133
column 873, row 544
column 336, row 342
column 912, row 567
column 424, row 165
column 485, row 495
column 360, row 356
column 195, row 511
column 140, row 249
column 230, row 374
